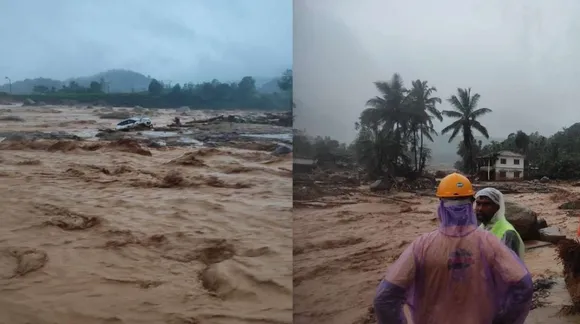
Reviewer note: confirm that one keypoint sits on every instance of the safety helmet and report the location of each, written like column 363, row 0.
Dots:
column 455, row 185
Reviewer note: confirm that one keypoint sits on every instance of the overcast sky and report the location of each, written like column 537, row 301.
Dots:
column 179, row 40
column 522, row 56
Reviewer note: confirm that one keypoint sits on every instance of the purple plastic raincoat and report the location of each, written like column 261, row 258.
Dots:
column 456, row 274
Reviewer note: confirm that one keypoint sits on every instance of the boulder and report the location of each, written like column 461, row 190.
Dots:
column 523, row 219
column 379, row 185
column 542, row 223
column 551, row 234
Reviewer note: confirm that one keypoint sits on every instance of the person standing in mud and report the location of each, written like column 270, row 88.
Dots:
column 490, row 211
column 458, row 273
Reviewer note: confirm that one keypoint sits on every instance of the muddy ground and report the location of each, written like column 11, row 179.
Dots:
column 100, row 231
column 343, row 244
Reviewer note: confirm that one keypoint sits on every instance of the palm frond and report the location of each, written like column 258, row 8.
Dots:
column 455, row 132
column 428, row 136
column 480, row 128
column 456, row 104
column 376, row 102
column 455, row 125
column 465, row 98
column 452, row 114
column 383, row 87
column 473, row 102
column 480, row 112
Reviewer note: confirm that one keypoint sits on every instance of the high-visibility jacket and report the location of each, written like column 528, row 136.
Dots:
column 499, row 226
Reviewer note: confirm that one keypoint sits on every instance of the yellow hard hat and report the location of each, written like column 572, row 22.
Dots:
column 455, row 185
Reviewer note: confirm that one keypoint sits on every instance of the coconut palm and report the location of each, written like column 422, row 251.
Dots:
column 391, row 104
column 423, row 107
column 389, row 115
column 466, row 114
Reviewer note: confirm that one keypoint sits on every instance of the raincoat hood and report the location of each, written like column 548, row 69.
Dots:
column 456, row 217
column 497, row 197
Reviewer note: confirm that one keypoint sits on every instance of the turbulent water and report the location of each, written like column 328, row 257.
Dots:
column 100, row 232
column 343, row 245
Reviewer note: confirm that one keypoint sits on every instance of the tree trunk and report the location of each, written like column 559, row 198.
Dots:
column 378, row 152
column 421, row 158
column 468, row 150
column 415, row 149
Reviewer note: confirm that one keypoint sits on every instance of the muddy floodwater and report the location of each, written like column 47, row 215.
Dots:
column 117, row 232
column 343, row 245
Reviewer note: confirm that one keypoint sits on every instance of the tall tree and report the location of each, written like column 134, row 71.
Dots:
column 522, row 141
column 155, row 87
column 285, row 84
column 466, row 114
column 423, row 106
column 393, row 117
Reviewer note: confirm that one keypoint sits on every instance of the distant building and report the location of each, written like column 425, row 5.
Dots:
column 303, row 165
column 503, row 165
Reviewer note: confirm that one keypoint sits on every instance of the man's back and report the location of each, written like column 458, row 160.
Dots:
column 458, row 277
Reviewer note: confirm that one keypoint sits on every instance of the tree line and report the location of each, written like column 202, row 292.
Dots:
column 556, row 156
column 397, row 125
column 205, row 95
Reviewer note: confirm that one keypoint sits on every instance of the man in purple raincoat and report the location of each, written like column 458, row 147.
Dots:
column 457, row 273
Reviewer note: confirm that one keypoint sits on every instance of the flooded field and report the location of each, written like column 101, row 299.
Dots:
column 343, row 245
column 117, row 232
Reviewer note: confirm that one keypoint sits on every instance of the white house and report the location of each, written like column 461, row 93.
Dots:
column 503, row 165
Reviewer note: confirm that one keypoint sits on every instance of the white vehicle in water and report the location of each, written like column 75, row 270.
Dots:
column 134, row 122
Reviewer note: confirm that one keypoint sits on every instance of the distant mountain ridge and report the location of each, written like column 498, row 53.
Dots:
column 116, row 80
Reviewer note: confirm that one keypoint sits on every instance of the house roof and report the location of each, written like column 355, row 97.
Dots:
column 510, row 153
column 503, row 154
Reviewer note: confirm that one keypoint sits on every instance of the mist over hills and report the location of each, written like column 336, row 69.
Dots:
column 444, row 153
column 117, row 81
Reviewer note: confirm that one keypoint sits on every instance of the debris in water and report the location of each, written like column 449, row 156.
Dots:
column 542, row 288
column 569, row 255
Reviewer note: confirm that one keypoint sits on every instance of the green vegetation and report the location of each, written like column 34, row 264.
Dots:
column 206, row 95
column 466, row 114
column 397, row 125
column 556, row 157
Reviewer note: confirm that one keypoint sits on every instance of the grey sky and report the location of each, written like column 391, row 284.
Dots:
column 520, row 55
column 179, row 40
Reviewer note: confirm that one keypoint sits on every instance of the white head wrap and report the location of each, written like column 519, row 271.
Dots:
column 497, row 197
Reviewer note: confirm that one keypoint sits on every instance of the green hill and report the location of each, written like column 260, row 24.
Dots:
column 117, row 81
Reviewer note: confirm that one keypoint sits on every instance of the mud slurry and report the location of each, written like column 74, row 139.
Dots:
column 344, row 244
column 104, row 233
column 21, row 261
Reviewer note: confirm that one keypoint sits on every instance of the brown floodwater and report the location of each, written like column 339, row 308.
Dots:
column 98, row 232
column 342, row 246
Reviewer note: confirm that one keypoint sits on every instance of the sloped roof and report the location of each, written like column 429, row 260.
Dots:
column 503, row 154
column 510, row 154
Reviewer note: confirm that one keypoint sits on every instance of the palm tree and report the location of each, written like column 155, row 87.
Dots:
column 522, row 141
column 423, row 107
column 391, row 103
column 392, row 116
column 466, row 113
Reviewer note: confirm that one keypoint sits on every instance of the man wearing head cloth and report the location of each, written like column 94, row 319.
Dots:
column 458, row 273
column 490, row 211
